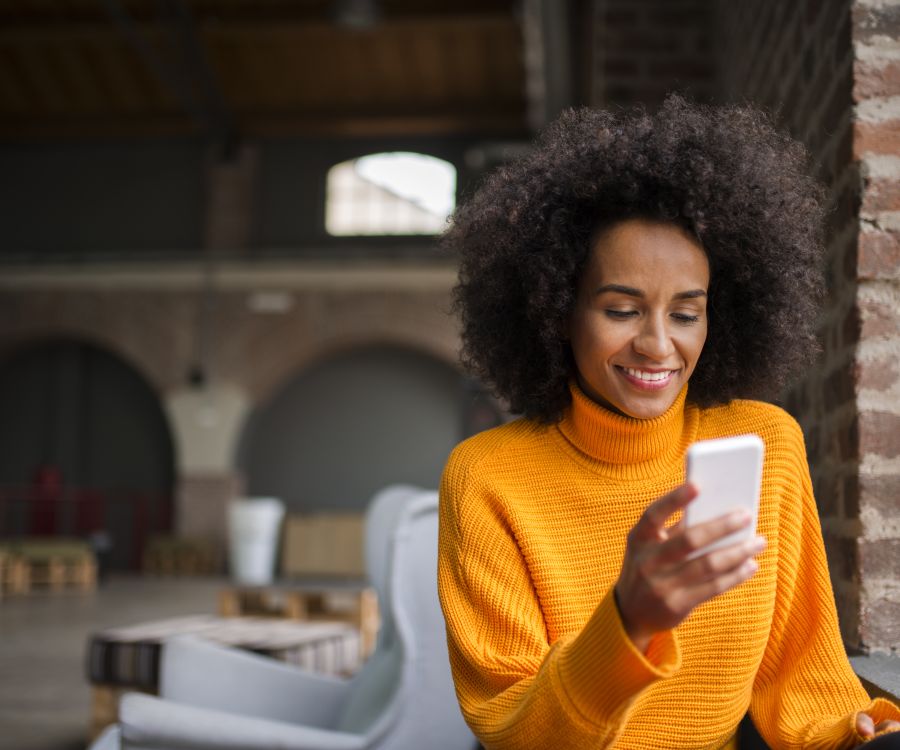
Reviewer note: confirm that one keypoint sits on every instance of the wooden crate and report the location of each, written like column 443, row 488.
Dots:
column 357, row 606
column 105, row 706
column 58, row 573
column 323, row 544
column 53, row 563
column 13, row 572
column 179, row 556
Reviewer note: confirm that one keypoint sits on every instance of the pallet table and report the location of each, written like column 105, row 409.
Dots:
column 351, row 602
column 127, row 659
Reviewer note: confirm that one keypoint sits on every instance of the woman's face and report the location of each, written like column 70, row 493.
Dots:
column 640, row 316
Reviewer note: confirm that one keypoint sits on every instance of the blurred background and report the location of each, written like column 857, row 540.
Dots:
column 220, row 274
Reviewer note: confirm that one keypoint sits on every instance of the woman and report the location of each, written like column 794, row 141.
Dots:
column 628, row 287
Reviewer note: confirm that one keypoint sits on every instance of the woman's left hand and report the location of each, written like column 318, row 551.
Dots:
column 867, row 727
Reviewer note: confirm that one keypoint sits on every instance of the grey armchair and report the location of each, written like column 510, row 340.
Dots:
column 402, row 698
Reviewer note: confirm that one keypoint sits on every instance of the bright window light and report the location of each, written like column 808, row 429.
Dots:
column 389, row 194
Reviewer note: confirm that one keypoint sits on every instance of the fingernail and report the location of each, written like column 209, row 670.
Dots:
column 751, row 566
column 740, row 516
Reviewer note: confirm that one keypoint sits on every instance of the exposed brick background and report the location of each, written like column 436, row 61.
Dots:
column 828, row 70
column 151, row 321
column 644, row 49
column 808, row 63
column 153, row 324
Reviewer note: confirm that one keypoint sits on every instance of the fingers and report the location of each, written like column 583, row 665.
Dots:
column 720, row 583
column 691, row 539
column 864, row 725
column 666, row 603
column 705, row 568
column 653, row 521
column 867, row 728
column 661, row 579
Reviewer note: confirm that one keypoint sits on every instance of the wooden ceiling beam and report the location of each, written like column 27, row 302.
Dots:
column 94, row 31
column 362, row 125
column 13, row 92
column 128, row 87
column 293, row 11
column 85, row 89
column 40, row 76
column 509, row 123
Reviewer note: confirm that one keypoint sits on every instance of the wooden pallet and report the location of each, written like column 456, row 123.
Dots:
column 13, row 572
column 58, row 573
column 105, row 706
column 177, row 556
column 359, row 607
column 16, row 576
column 50, row 563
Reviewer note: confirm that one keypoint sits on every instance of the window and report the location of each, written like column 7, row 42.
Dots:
column 389, row 194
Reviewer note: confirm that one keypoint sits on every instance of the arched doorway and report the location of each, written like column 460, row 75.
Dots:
column 84, row 448
column 352, row 424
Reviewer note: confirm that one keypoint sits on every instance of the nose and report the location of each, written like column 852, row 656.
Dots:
column 654, row 340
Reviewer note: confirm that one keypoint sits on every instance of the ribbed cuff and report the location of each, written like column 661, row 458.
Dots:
column 602, row 671
column 843, row 733
column 881, row 709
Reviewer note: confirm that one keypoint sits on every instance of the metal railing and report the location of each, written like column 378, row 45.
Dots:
column 117, row 522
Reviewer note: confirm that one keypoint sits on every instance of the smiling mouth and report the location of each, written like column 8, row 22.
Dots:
column 647, row 379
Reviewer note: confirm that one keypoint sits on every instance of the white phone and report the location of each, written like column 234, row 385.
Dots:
column 727, row 473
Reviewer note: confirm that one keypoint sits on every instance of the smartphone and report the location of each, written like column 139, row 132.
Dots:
column 727, row 473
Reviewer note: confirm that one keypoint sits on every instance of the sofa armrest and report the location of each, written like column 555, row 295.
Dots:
column 146, row 721
column 108, row 739
column 200, row 673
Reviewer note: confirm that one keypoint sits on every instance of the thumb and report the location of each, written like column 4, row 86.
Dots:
column 864, row 725
column 654, row 518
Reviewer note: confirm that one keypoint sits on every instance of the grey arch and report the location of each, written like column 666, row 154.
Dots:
column 76, row 406
column 350, row 424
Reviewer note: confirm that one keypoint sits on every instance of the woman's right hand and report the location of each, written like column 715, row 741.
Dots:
column 866, row 726
column 658, row 585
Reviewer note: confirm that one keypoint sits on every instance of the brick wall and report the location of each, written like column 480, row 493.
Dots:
column 828, row 70
column 644, row 49
column 148, row 316
column 808, row 63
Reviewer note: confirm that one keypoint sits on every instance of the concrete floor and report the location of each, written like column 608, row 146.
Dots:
column 44, row 695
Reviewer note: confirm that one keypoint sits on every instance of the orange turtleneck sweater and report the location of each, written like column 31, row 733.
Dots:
column 533, row 526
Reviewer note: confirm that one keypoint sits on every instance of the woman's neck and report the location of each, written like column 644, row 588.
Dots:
column 621, row 441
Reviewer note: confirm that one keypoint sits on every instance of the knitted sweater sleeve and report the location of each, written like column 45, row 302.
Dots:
column 516, row 688
column 806, row 694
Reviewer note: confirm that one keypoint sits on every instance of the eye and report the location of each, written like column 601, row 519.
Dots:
column 685, row 318
column 621, row 314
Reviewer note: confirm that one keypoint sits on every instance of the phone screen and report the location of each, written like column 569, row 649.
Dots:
column 727, row 473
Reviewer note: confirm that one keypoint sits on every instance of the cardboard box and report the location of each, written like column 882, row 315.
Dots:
column 323, row 544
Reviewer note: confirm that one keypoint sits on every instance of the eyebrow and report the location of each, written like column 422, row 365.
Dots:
column 631, row 291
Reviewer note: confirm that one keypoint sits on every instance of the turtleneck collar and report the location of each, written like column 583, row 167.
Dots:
column 625, row 445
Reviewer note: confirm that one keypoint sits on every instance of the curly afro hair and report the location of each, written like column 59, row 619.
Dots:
column 724, row 173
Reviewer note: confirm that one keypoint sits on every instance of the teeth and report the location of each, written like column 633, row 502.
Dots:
column 649, row 376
